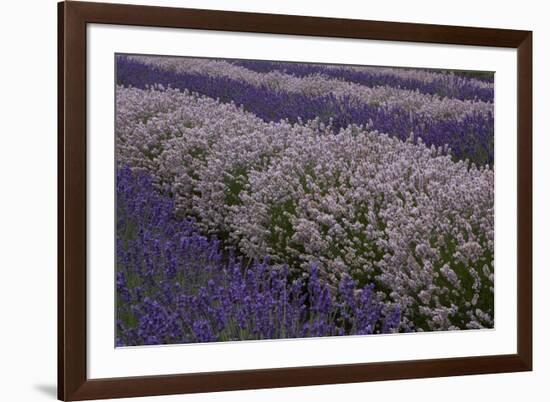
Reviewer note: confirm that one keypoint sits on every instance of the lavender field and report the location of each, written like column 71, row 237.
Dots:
column 265, row 200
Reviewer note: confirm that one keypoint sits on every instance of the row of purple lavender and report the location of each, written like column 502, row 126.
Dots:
column 261, row 200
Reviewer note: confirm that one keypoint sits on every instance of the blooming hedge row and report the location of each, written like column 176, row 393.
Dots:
column 445, row 85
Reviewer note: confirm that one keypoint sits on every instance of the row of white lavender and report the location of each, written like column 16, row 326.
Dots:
column 319, row 85
column 399, row 214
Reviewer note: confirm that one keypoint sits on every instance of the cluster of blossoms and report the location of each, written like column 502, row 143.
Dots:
column 397, row 215
column 387, row 94
column 176, row 286
column 470, row 135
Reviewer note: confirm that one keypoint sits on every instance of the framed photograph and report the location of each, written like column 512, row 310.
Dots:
column 254, row 200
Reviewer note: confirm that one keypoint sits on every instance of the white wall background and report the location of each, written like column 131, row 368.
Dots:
column 28, row 199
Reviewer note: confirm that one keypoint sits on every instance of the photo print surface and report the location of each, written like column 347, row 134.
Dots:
column 269, row 200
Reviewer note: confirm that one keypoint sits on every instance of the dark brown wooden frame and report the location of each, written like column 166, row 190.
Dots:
column 73, row 383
